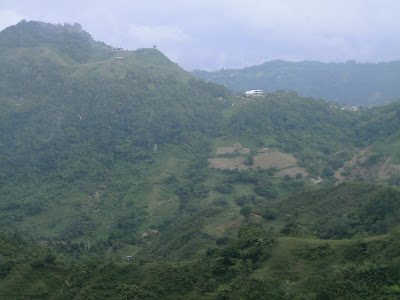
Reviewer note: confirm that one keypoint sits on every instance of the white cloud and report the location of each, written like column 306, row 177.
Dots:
column 8, row 18
column 147, row 35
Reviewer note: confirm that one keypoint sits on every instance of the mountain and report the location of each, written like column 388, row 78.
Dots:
column 72, row 123
column 107, row 153
column 350, row 83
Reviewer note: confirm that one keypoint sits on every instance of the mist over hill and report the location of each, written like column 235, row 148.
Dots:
column 350, row 83
column 108, row 154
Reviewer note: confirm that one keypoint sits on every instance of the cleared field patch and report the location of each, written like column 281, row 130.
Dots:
column 272, row 158
column 222, row 229
column 267, row 158
column 381, row 170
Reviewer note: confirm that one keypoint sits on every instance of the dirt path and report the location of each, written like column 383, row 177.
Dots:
column 155, row 204
column 383, row 172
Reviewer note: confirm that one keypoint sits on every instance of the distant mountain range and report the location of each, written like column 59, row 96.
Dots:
column 350, row 83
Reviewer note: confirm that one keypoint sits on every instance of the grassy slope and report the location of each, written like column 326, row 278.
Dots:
column 295, row 268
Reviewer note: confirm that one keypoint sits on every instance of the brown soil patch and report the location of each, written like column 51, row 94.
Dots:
column 380, row 171
column 267, row 158
column 387, row 170
column 235, row 224
column 272, row 158
column 316, row 180
column 230, row 150
column 351, row 163
column 255, row 218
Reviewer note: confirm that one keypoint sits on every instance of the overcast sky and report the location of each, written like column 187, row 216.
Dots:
column 215, row 34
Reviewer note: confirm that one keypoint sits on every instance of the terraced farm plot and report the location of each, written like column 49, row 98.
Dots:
column 272, row 158
column 267, row 158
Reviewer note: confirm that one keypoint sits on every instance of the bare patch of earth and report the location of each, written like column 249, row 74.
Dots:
column 388, row 170
column 316, row 180
column 267, row 158
column 380, row 171
column 254, row 218
column 351, row 164
column 235, row 224
column 272, row 158
column 152, row 232
column 230, row 150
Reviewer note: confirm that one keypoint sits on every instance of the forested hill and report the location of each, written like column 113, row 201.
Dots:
column 350, row 83
column 68, row 102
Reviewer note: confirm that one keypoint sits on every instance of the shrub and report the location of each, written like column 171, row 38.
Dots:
column 270, row 213
column 242, row 201
column 246, row 211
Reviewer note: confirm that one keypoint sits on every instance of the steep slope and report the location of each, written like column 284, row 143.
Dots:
column 360, row 84
column 74, row 127
column 128, row 100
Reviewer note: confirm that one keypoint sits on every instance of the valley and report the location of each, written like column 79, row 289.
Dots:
column 106, row 154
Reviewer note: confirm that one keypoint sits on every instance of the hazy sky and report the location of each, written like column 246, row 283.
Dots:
column 214, row 34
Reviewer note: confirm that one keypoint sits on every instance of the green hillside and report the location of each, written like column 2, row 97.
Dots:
column 78, row 138
column 255, row 265
column 108, row 153
column 350, row 83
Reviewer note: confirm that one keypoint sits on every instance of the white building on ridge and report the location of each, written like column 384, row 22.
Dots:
column 254, row 93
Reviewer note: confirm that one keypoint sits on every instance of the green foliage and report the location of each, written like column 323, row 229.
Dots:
column 327, row 172
column 246, row 211
column 339, row 212
column 270, row 213
column 130, row 222
column 224, row 188
column 182, row 239
column 249, row 160
column 291, row 229
column 242, row 201
column 251, row 248
column 79, row 226
column 372, row 159
column 317, row 252
column 266, row 190
column 231, row 270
